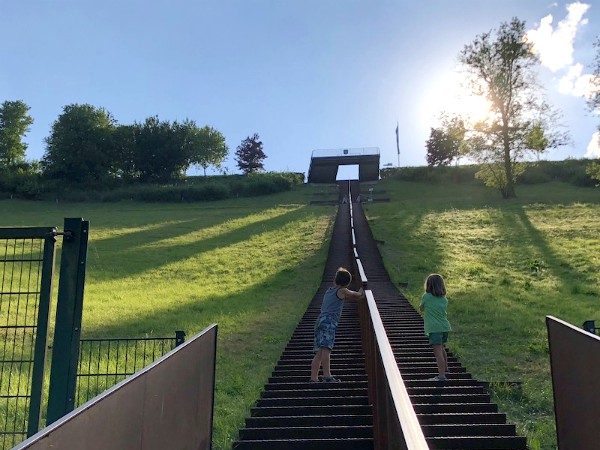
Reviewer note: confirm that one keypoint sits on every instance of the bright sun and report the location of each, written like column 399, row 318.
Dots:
column 447, row 95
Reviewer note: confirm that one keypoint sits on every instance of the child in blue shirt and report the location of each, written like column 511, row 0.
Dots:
column 326, row 325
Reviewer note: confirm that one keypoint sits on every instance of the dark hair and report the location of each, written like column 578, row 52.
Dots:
column 342, row 277
column 434, row 284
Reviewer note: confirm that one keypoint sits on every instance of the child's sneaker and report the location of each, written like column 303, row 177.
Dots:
column 439, row 378
column 330, row 380
column 310, row 380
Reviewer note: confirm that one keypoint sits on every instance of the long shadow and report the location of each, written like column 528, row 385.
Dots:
column 517, row 223
column 193, row 315
column 404, row 240
column 136, row 259
column 169, row 228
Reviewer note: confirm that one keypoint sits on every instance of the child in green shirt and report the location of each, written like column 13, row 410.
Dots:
column 434, row 305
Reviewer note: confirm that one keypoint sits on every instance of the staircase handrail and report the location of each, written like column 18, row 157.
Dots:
column 394, row 420
column 395, row 424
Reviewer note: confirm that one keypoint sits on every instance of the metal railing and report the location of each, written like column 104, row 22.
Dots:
column 105, row 362
column 167, row 405
column 395, row 424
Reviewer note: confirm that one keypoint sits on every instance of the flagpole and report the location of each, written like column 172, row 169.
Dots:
column 398, row 143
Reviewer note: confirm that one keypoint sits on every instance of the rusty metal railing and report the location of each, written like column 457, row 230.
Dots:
column 395, row 424
column 168, row 404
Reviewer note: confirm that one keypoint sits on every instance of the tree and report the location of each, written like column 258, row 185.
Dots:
column 14, row 124
column 205, row 146
column 124, row 152
column 593, row 170
column 594, row 98
column 160, row 154
column 502, row 68
column 79, row 148
column 250, row 155
column 445, row 143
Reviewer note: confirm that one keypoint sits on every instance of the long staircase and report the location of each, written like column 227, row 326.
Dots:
column 294, row 414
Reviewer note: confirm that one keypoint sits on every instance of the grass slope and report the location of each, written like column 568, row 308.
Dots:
column 252, row 266
column 507, row 265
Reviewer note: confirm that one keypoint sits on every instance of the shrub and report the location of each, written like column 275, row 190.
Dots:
column 571, row 171
column 207, row 192
column 438, row 174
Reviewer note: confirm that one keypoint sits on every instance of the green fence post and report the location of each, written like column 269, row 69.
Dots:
column 65, row 350
column 39, row 360
column 179, row 337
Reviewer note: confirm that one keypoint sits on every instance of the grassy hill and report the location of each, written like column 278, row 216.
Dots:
column 507, row 265
column 252, row 266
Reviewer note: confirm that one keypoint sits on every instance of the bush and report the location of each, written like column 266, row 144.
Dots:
column 194, row 189
column 534, row 174
column 438, row 174
column 22, row 181
column 207, row 192
column 571, row 171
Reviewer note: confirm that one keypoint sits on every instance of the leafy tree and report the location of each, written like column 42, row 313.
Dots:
column 124, row 152
column 502, row 69
column 160, row 154
column 445, row 143
column 79, row 148
column 160, row 151
column 594, row 98
column 14, row 124
column 207, row 146
column 250, row 155
column 594, row 104
column 593, row 170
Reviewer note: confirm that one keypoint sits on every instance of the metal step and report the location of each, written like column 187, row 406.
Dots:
column 292, row 413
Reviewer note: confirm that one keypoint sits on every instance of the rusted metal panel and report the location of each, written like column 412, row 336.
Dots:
column 168, row 404
column 575, row 363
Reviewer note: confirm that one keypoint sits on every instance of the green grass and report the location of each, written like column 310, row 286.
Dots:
column 507, row 265
column 252, row 266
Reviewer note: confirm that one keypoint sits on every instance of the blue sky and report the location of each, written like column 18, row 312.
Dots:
column 304, row 75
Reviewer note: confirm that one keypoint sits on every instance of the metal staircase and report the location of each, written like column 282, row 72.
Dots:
column 294, row 414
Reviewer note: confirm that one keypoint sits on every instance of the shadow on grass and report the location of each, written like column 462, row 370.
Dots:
column 517, row 227
column 194, row 314
column 133, row 259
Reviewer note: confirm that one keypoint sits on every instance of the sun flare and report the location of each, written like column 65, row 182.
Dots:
column 447, row 95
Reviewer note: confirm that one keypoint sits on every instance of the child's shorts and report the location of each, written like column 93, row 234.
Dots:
column 438, row 338
column 325, row 331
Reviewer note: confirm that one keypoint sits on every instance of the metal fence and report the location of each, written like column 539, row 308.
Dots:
column 80, row 369
column 590, row 327
column 167, row 405
column 105, row 362
column 26, row 266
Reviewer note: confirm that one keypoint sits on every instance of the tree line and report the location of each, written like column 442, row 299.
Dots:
column 501, row 66
column 87, row 146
